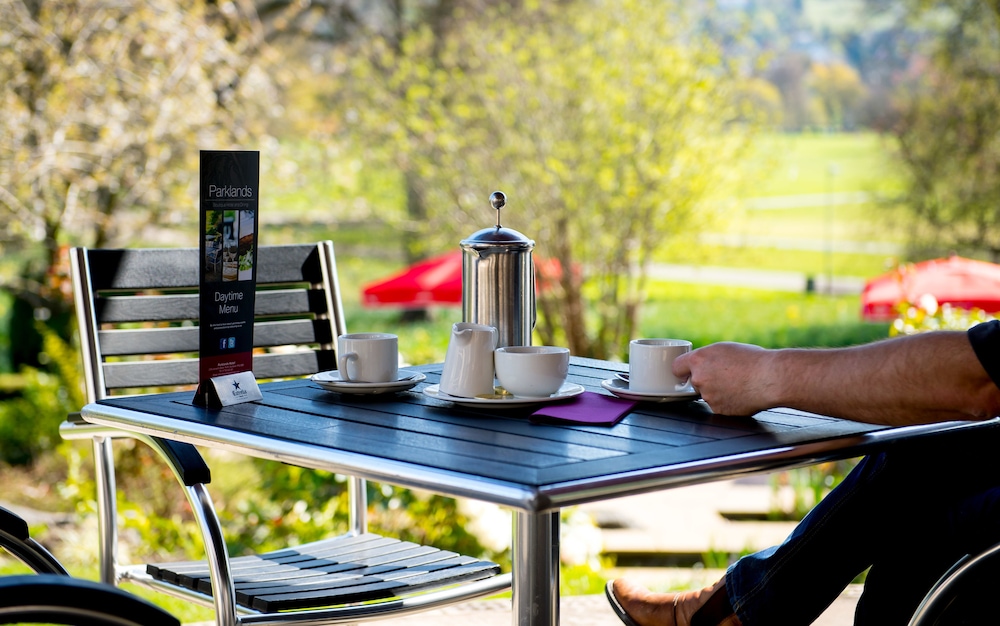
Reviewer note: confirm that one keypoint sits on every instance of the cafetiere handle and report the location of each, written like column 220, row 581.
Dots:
column 534, row 304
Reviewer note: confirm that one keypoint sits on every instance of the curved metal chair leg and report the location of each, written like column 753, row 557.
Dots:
column 177, row 458
column 964, row 580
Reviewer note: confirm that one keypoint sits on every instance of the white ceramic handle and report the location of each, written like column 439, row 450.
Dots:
column 342, row 363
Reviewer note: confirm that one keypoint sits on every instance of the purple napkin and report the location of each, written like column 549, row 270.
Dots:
column 590, row 408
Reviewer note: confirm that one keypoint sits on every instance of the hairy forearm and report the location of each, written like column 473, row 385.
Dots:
column 922, row 378
column 930, row 377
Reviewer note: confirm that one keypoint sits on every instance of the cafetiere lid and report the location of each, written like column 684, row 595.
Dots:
column 496, row 236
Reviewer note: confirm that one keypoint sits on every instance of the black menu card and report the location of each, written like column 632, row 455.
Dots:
column 229, row 201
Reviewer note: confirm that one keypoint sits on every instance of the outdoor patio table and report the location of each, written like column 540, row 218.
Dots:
column 499, row 455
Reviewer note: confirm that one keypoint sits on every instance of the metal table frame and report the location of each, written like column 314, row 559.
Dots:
column 774, row 440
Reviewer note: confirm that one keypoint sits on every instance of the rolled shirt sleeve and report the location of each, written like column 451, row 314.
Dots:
column 985, row 339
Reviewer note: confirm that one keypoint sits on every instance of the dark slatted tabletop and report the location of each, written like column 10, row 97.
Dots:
column 498, row 455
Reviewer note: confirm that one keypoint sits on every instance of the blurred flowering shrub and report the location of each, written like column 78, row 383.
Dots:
column 927, row 315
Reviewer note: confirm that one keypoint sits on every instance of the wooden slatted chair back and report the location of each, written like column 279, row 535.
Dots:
column 142, row 307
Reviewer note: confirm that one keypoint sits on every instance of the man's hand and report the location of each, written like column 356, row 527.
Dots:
column 733, row 378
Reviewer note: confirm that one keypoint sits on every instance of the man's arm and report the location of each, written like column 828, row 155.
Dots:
column 928, row 377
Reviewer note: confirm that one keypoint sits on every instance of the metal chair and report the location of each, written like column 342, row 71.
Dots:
column 132, row 304
column 965, row 594
column 52, row 596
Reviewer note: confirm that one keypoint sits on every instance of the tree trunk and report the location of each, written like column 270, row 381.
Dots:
column 574, row 309
column 416, row 213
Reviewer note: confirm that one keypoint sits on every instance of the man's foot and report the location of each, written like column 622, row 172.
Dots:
column 637, row 606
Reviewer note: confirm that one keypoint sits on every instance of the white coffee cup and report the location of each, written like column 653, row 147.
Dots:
column 650, row 363
column 368, row 357
column 532, row 371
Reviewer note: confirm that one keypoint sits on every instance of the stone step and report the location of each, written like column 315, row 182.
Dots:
column 697, row 520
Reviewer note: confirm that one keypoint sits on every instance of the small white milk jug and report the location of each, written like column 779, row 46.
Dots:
column 468, row 364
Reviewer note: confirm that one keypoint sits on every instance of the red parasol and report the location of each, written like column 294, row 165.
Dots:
column 960, row 282
column 438, row 281
column 433, row 281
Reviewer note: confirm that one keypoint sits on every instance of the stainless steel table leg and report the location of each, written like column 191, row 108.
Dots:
column 536, row 568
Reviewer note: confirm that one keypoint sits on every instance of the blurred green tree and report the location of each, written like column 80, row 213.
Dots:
column 841, row 92
column 352, row 28
column 946, row 130
column 105, row 105
column 611, row 126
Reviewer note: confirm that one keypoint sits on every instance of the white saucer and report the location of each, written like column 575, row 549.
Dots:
column 331, row 381
column 568, row 390
column 620, row 388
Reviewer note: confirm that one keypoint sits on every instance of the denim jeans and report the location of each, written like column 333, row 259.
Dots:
column 908, row 512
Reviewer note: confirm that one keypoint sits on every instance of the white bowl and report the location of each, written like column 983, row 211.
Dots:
column 531, row 371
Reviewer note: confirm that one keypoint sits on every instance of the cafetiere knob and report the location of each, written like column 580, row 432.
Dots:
column 497, row 201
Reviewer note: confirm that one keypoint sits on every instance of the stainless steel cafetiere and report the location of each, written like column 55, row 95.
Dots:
column 498, row 280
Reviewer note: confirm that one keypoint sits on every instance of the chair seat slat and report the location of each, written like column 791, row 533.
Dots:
column 338, row 583
column 341, row 545
column 374, row 589
column 363, row 568
column 310, row 569
column 318, row 571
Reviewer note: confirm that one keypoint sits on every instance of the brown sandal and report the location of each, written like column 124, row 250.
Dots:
column 717, row 611
column 616, row 606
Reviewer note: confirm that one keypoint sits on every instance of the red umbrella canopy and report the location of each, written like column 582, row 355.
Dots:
column 960, row 282
column 434, row 281
column 438, row 280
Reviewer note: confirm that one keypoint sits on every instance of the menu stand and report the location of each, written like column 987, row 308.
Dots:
column 230, row 181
